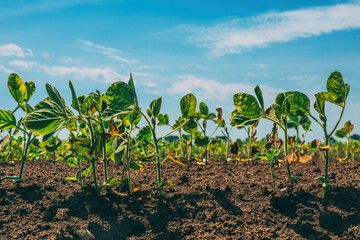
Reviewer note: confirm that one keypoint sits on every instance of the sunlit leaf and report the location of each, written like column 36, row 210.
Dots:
column 17, row 88
column 155, row 106
column 188, row 105
column 120, row 96
column 247, row 105
column 7, row 120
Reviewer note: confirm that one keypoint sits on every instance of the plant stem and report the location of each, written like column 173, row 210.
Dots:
column 128, row 160
column 92, row 142
column 286, row 151
column 24, row 158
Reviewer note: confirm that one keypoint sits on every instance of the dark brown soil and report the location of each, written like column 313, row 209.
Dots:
column 233, row 201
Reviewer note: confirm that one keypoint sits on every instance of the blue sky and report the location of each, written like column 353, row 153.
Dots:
column 210, row 48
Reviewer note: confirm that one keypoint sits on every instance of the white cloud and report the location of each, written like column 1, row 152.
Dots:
column 193, row 66
column 211, row 89
column 23, row 65
column 106, row 75
column 238, row 35
column 69, row 60
column 108, row 51
column 45, row 55
column 7, row 50
column 6, row 70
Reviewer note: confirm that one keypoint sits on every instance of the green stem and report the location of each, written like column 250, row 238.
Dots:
column 227, row 148
column 286, row 151
column 24, row 157
column 174, row 130
column 128, row 160
column 92, row 141
column 103, row 139
column 326, row 161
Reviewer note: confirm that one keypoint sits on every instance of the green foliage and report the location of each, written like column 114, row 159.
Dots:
column 247, row 105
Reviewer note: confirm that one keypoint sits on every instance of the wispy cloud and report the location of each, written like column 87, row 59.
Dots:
column 210, row 89
column 6, row 70
column 69, row 60
column 23, row 65
column 193, row 66
column 238, row 35
column 108, row 51
column 105, row 75
column 14, row 50
column 17, row 8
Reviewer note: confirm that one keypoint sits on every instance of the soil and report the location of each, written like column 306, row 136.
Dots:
column 214, row 201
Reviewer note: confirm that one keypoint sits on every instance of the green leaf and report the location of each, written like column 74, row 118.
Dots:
column 112, row 182
column 72, row 162
column 132, row 87
column 26, row 108
column 43, row 121
column 188, row 105
column 144, row 134
column 247, row 105
column 238, row 120
column 17, row 88
column 319, row 104
column 163, row 119
column 259, row 96
column 202, row 140
column 71, row 178
column 136, row 166
column 30, row 89
column 190, row 126
column 340, row 133
column 75, row 101
column 87, row 171
column 329, row 97
column 55, row 96
column 300, row 103
column 120, row 96
column 7, row 120
column 155, row 106
column 204, row 109
column 335, row 84
column 134, row 117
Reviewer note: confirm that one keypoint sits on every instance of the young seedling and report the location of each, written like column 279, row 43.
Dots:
column 121, row 95
column 345, row 133
column 293, row 102
column 337, row 92
column 21, row 92
column 271, row 156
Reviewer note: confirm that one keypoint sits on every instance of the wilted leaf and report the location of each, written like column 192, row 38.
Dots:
column 291, row 140
column 177, row 160
column 4, row 140
column 136, row 188
column 113, row 128
column 325, row 148
column 316, row 143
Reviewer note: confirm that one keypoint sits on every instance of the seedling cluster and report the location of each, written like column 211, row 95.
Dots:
column 105, row 127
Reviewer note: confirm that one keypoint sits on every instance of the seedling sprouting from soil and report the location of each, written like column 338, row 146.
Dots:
column 337, row 92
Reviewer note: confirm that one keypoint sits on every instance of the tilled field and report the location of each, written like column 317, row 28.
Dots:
column 215, row 201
